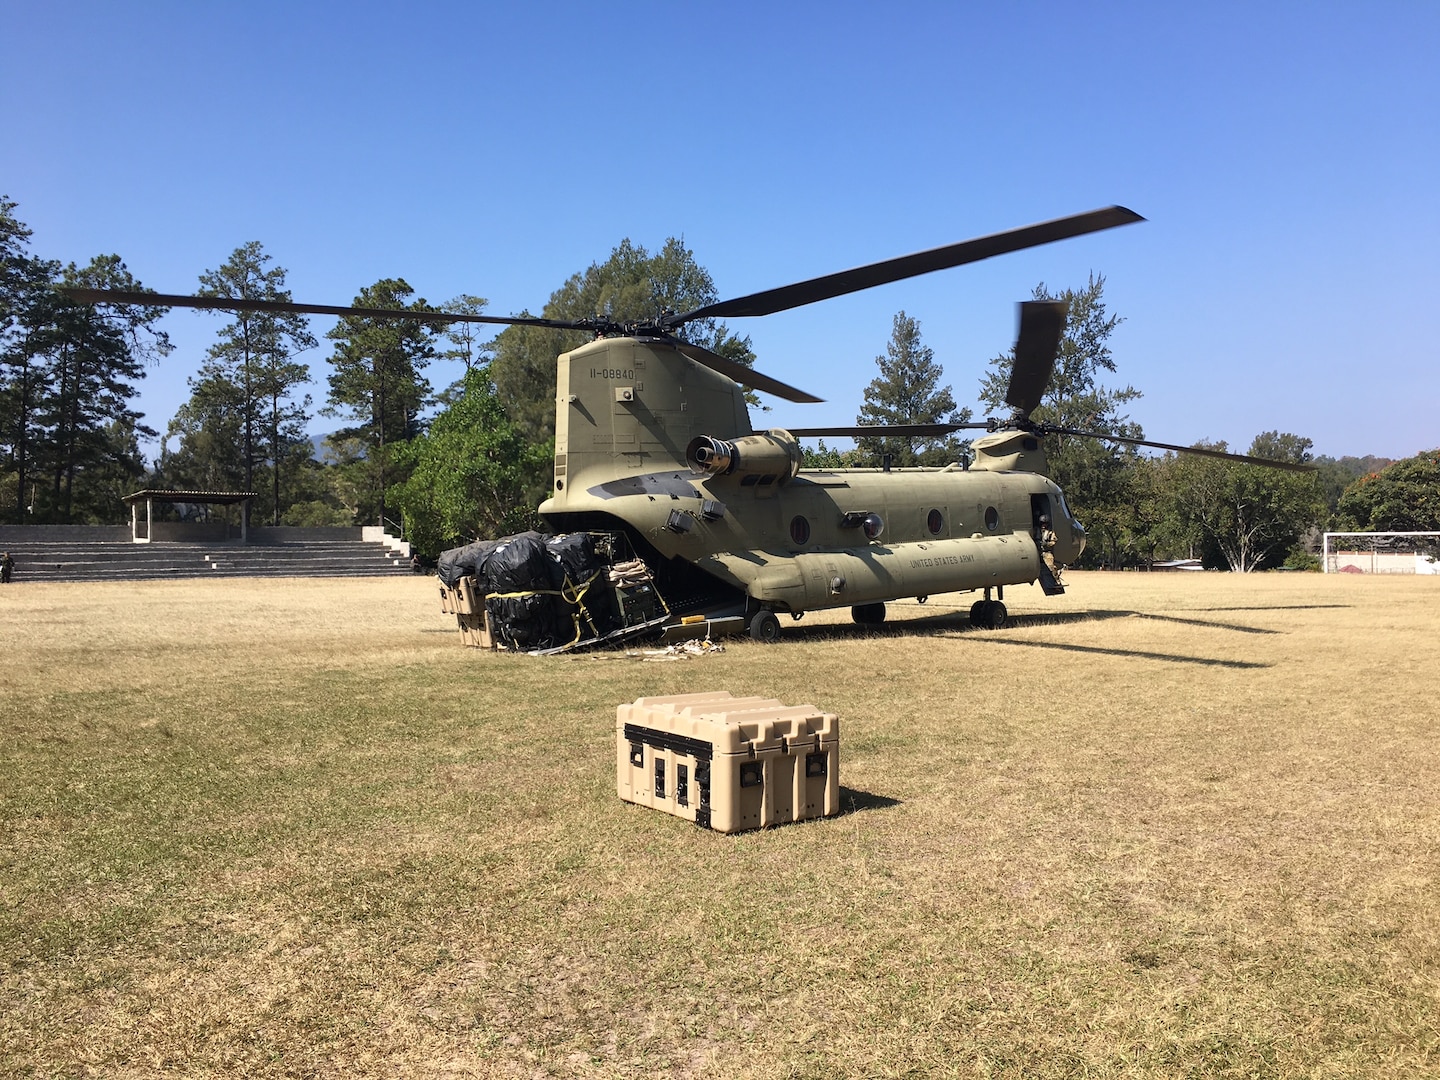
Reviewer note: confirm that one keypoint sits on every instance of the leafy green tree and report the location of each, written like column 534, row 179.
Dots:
column 1151, row 524
column 827, row 457
column 322, row 492
column 471, row 475
column 377, row 384
column 350, row 479
column 1253, row 517
column 908, row 391
column 255, row 353
column 631, row 285
column 1337, row 474
column 1402, row 497
column 1092, row 473
column 524, row 375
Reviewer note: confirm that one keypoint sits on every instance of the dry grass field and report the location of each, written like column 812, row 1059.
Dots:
column 1166, row 825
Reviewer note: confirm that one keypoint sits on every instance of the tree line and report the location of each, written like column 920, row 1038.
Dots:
column 473, row 459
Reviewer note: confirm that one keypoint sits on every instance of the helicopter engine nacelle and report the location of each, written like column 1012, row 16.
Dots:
column 1009, row 451
column 775, row 454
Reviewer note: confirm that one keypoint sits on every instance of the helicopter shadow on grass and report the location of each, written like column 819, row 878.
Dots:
column 1277, row 607
column 956, row 622
column 1138, row 654
column 945, row 622
column 1206, row 623
column 1127, row 613
column 1130, row 654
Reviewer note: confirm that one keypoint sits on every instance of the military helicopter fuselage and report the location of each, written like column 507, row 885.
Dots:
column 652, row 443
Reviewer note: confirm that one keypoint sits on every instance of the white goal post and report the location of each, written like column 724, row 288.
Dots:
column 1380, row 553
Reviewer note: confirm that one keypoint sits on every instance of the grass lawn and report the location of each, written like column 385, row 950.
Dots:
column 1165, row 825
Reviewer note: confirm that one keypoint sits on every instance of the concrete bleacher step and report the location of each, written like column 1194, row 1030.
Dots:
column 109, row 561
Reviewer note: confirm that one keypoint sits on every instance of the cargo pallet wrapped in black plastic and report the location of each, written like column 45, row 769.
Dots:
column 588, row 598
column 541, row 593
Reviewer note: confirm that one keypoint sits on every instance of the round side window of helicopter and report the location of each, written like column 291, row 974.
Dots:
column 992, row 518
column 799, row 529
column 935, row 521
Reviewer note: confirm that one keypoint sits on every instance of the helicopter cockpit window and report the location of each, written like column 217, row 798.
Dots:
column 799, row 530
column 935, row 521
column 992, row 518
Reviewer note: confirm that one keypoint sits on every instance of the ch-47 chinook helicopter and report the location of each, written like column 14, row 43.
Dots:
column 653, row 440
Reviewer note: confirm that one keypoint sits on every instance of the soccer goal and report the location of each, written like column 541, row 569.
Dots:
column 1381, row 553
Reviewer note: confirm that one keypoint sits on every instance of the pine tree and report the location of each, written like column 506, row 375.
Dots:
column 908, row 391
column 464, row 337
column 93, row 357
column 26, row 309
column 67, row 378
column 377, row 383
column 255, row 354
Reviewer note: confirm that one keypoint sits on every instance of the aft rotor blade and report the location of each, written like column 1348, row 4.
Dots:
column 284, row 307
column 877, row 431
column 908, row 266
column 1224, row 455
column 741, row 374
column 1042, row 324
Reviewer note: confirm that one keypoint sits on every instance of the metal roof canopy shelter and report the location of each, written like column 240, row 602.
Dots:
column 210, row 498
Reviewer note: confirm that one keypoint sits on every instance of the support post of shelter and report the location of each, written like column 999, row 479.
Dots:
column 135, row 536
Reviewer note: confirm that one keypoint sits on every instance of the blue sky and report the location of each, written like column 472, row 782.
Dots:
column 1287, row 157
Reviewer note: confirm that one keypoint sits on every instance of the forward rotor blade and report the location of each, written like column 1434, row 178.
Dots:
column 907, row 266
column 221, row 303
column 741, row 374
column 1042, row 323
column 898, row 431
column 1224, row 455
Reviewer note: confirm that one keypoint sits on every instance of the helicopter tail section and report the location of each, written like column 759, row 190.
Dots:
column 629, row 407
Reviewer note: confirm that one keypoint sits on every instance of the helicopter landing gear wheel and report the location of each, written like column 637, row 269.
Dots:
column 868, row 614
column 765, row 627
column 988, row 614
